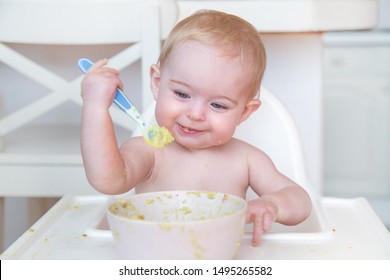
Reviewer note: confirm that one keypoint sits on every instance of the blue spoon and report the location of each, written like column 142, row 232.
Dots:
column 153, row 135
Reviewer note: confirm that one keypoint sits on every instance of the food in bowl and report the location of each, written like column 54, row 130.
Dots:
column 177, row 225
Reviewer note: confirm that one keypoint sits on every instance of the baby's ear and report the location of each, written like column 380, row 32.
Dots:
column 250, row 108
column 155, row 80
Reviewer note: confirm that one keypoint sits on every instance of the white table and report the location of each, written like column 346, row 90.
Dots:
column 75, row 228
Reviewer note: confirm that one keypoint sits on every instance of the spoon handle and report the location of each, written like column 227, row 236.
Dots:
column 120, row 99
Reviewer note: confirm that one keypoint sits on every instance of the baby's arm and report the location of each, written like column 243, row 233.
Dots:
column 105, row 166
column 281, row 200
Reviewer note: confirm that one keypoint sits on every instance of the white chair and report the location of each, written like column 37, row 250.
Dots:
column 53, row 167
column 272, row 129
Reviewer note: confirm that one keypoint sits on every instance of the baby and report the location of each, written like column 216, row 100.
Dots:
column 205, row 84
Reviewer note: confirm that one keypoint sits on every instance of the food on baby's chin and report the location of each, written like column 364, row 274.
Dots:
column 158, row 136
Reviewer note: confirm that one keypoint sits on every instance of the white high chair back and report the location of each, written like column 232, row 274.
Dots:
column 271, row 129
column 53, row 168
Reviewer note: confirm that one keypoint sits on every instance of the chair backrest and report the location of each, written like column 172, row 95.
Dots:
column 272, row 129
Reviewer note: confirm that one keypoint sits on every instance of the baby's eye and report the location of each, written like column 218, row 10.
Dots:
column 218, row 106
column 182, row 95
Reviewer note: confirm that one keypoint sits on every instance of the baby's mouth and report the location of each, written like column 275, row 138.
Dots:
column 188, row 129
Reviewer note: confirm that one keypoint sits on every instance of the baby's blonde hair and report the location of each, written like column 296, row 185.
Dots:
column 231, row 33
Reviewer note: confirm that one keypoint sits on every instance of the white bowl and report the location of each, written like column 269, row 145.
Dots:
column 178, row 225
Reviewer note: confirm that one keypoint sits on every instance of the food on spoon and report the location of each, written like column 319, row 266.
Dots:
column 158, row 136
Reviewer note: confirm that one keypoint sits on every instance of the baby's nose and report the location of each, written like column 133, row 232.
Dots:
column 196, row 114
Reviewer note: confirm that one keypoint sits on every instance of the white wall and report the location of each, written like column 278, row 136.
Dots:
column 384, row 14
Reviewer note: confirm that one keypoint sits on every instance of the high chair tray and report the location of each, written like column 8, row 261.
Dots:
column 75, row 229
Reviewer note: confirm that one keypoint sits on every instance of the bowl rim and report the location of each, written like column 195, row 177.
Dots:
column 189, row 222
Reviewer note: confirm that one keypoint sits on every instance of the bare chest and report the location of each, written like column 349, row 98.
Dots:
column 221, row 172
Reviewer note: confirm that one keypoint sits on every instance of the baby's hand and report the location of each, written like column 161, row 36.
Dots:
column 99, row 84
column 262, row 213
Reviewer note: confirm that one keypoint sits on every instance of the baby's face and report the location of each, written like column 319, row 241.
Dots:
column 201, row 95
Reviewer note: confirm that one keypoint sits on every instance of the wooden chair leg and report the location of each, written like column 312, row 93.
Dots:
column 38, row 206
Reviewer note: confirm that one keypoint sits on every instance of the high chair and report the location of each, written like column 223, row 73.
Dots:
column 53, row 167
column 272, row 129
column 336, row 228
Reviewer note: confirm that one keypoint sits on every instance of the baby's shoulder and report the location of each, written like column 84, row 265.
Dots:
column 242, row 145
column 246, row 148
